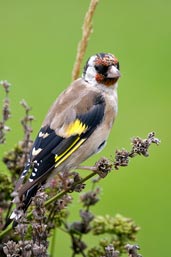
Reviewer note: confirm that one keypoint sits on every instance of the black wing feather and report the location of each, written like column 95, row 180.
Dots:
column 53, row 144
column 41, row 143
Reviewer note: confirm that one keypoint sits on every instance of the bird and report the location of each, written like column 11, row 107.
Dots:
column 76, row 127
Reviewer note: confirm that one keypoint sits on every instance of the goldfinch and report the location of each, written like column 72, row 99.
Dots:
column 76, row 126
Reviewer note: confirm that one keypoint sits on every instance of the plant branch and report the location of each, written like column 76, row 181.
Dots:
column 103, row 166
column 86, row 31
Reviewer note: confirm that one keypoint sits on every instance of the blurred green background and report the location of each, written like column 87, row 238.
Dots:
column 38, row 46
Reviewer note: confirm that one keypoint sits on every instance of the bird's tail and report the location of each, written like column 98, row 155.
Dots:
column 18, row 212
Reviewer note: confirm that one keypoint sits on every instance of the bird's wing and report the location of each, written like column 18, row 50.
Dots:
column 51, row 149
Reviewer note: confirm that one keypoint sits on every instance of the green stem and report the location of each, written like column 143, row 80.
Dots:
column 5, row 231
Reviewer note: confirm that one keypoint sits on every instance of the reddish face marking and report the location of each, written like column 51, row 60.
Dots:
column 106, row 61
column 105, row 81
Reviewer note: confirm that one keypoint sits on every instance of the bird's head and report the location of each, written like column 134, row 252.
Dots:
column 102, row 68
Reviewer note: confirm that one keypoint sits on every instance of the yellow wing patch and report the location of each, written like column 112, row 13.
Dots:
column 75, row 128
column 61, row 158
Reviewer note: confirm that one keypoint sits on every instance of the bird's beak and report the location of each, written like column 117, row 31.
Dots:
column 113, row 72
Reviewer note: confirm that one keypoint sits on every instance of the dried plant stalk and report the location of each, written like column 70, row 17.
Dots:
column 86, row 31
column 26, row 122
column 6, row 113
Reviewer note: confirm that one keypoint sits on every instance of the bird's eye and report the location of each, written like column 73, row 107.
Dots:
column 101, row 69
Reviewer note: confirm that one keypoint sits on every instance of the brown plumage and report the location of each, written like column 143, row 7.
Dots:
column 76, row 126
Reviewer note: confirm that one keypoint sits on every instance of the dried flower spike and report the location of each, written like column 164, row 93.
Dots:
column 139, row 147
column 103, row 166
column 6, row 113
column 110, row 251
column 121, row 158
column 132, row 250
column 6, row 85
column 90, row 198
column 16, row 158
